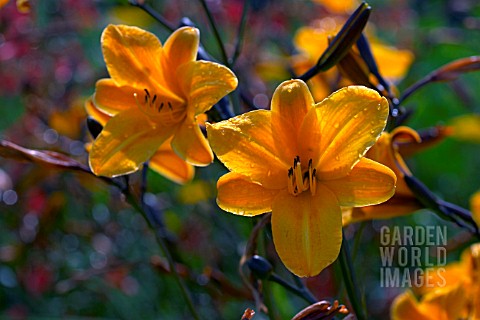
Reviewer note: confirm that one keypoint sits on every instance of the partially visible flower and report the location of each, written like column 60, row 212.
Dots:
column 313, row 40
column 466, row 127
column 154, row 96
column 386, row 152
column 164, row 161
column 302, row 161
column 336, row 6
column 451, row 293
column 475, row 207
column 390, row 150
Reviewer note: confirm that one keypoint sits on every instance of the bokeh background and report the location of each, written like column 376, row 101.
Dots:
column 71, row 247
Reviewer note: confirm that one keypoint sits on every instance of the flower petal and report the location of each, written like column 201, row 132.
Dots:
column 405, row 307
column 307, row 230
column 167, row 163
column 368, row 183
column 190, row 144
column 181, row 47
column 125, row 143
column 205, row 83
column 95, row 113
column 236, row 194
column 246, row 146
column 351, row 120
column 290, row 103
column 132, row 56
column 111, row 98
column 309, row 138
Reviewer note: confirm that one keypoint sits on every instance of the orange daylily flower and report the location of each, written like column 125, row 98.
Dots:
column 154, row 95
column 453, row 295
column 302, row 161
column 386, row 152
column 312, row 41
column 339, row 6
column 390, row 150
column 164, row 161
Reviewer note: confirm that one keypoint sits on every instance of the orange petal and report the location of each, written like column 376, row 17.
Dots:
column 125, row 143
column 290, row 103
column 132, row 56
column 368, row 183
column 190, row 144
column 95, row 113
column 181, row 47
column 167, row 163
column 309, row 138
column 236, row 194
column 396, row 206
column 351, row 120
column 246, row 146
column 307, row 230
column 405, row 307
column 204, row 83
column 393, row 63
column 112, row 99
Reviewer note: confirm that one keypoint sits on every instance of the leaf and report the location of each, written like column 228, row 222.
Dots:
column 11, row 150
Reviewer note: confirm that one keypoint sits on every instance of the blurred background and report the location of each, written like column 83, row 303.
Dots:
column 69, row 244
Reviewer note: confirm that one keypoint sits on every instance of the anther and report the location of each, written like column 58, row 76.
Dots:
column 160, row 107
column 170, row 105
column 154, row 98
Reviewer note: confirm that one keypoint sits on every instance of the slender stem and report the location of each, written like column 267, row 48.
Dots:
column 164, row 248
column 213, row 25
column 267, row 285
column 240, row 33
column 153, row 13
column 349, row 279
column 299, row 291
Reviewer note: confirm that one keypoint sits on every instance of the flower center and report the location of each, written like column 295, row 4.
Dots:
column 299, row 181
column 161, row 108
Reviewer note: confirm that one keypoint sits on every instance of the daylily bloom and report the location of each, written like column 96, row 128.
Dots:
column 390, row 150
column 386, row 152
column 451, row 293
column 164, row 161
column 312, row 41
column 339, row 6
column 302, row 161
column 154, row 95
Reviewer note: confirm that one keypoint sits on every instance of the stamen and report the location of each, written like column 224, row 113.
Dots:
column 170, row 105
column 299, row 181
column 154, row 98
column 313, row 183
column 290, row 181
column 161, row 107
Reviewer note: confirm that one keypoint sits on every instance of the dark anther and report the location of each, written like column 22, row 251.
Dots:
column 154, row 98
column 309, row 163
column 147, row 93
column 290, row 172
column 160, row 107
column 170, row 105
column 314, row 173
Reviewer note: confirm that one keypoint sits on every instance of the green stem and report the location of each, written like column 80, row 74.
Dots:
column 349, row 279
column 267, row 285
column 213, row 25
column 154, row 14
column 240, row 33
column 299, row 291
column 164, row 248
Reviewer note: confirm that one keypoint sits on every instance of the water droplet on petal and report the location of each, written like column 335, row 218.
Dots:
column 336, row 125
column 355, row 116
column 337, row 158
column 269, row 173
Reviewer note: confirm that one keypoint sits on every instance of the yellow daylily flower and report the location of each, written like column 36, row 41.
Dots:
column 453, row 295
column 164, row 161
column 302, row 161
column 466, row 128
column 154, row 95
